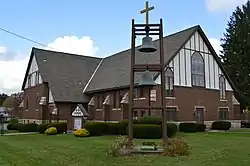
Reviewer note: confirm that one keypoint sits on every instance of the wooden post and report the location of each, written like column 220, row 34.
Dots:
column 131, row 96
column 163, row 102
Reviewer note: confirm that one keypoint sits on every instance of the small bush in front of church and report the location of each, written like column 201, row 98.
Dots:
column 221, row 125
column 112, row 128
column 147, row 131
column 51, row 131
column 171, row 129
column 30, row 127
column 150, row 120
column 60, row 126
column 42, row 127
column 96, row 128
column 188, row 127
column 81, row 133
column 200, row 127
column 177, row 147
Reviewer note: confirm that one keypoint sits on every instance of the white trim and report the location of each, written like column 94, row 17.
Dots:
column 177, row 108
column 223, row 100
column 140, row 98
column 170, row 98
column 116, row 109
column 92, row 75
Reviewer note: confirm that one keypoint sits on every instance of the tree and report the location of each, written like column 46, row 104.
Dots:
column 236, row 51
column 13, row 102
column 3, row 96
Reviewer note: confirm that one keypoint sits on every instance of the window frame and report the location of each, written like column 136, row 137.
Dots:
column 173, row 111
column 201, row 66
column 223, row 110
column 169, row 88
column 222, row 88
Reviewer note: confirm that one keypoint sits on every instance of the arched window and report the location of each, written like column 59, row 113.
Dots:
column 169, row 83
column 198, row 70
column 222, row 86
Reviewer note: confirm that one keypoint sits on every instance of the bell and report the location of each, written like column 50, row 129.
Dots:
column 147, row 45
column 147, row 79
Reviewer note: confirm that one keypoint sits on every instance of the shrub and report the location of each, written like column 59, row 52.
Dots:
column 31, row 127
column 177, row 147
column 149, row 120
column 15, row 126
column 200, row 127
column 123, row 124
column 221, row 125
column 42, row 127
column 51, row 131
column 119, row 147
column 245, row 124
column 146, row 131
column 13, row 121
column 96, row 128
column 81, row 133
column 171, row 129
column 60, row 126
column 112, row 128
column 10, row 126
column 187, row 127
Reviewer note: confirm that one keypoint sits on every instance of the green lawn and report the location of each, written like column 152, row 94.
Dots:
column 215, row 149
column 10, row 131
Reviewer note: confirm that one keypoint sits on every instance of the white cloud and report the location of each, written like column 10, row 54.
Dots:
column 2, row 50
column 13, row 65
column 216, row 45
column 12, row 73
column 223, row 5
column 75, row 45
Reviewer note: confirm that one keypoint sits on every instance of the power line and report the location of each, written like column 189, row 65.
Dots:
column 25, row 38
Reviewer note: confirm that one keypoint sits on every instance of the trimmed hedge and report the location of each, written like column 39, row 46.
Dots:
column 200, row 127
column 121, row 128
column 42, row 128
column 30, row 127
column 95, row 128
column 61, row 127
column 11, row 125
column 171, row 129
column 146, row 131
column 245, row 124
column 189, row 127
column 149, row 120
column 221, row 125
column 112, row 128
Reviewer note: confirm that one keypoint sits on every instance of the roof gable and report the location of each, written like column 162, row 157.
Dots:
column 216, row 58
column 114, row 71
column 66, row 73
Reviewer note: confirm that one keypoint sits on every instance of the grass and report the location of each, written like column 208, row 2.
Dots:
column 10, row 131
column 241, row 130
column 217, row 149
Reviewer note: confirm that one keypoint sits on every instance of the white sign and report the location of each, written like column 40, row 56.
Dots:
column 77, row 123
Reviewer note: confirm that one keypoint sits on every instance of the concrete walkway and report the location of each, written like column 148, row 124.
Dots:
column 7, row 134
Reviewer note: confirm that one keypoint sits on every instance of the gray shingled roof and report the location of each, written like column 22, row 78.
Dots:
column 67, row 74
column 114, row 70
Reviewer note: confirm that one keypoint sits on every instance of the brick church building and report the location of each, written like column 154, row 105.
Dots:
column 197, row 86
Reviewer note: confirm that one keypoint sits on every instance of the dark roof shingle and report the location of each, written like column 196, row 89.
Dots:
column 67, row 74
column 114, row 70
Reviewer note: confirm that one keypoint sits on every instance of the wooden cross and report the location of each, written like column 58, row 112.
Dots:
column 146, row 10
